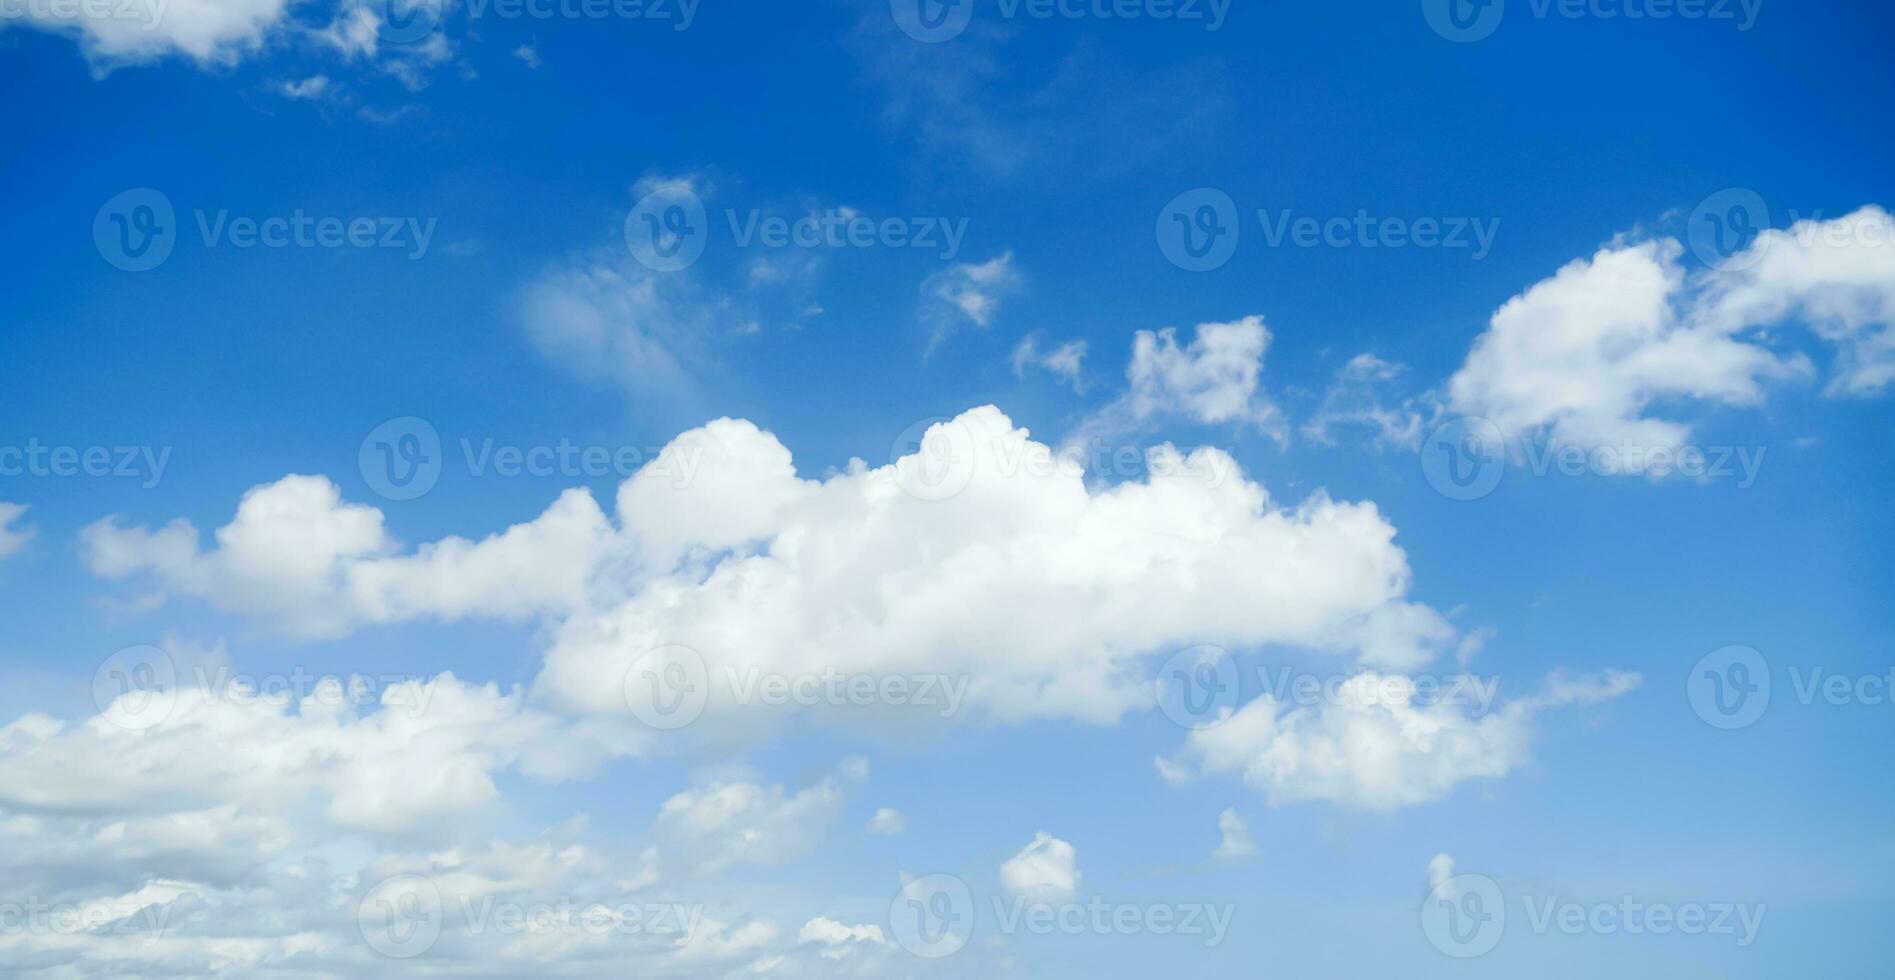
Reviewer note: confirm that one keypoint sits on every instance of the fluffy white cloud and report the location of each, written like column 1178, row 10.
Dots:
column 1014, row 583
column 1836, row 276
column 837, row 939
column 13, row 536
column 1043, row 873
column 298, row 556
column 761, row 572
column 1585, row 357
column 1375, row 746
column 1234, row 842
column 1216, row 379
column 211, row 32
column 422, row 763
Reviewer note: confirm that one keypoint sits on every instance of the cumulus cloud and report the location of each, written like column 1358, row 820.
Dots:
column 1215, row 379
column 1591, row 356
column 967, row 292
column 1440, row 872
column 1376, row 747
column 1062, row 362
column 13, row 535
column 300, row 557
column 869, row 571
column 1045, row 872
column 1235, row 842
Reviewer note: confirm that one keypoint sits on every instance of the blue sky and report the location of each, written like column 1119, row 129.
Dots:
column 1018, row 181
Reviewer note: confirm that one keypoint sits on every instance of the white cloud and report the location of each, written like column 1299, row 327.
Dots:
column 1586, row 357
column 13, row 536
column 1043, row 873
column 1440, row 872
column 210, row 32
column 528, row 55
column 315, row 566
column 1235, row 833
column 310, row 89
column 1836, row 276
column 1375, row 747
column 722, row 824
column 747, row 564
column 1062, row 361
column 1215, row 379
column 839, row 940
column 888, row 822
column 969, row 291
